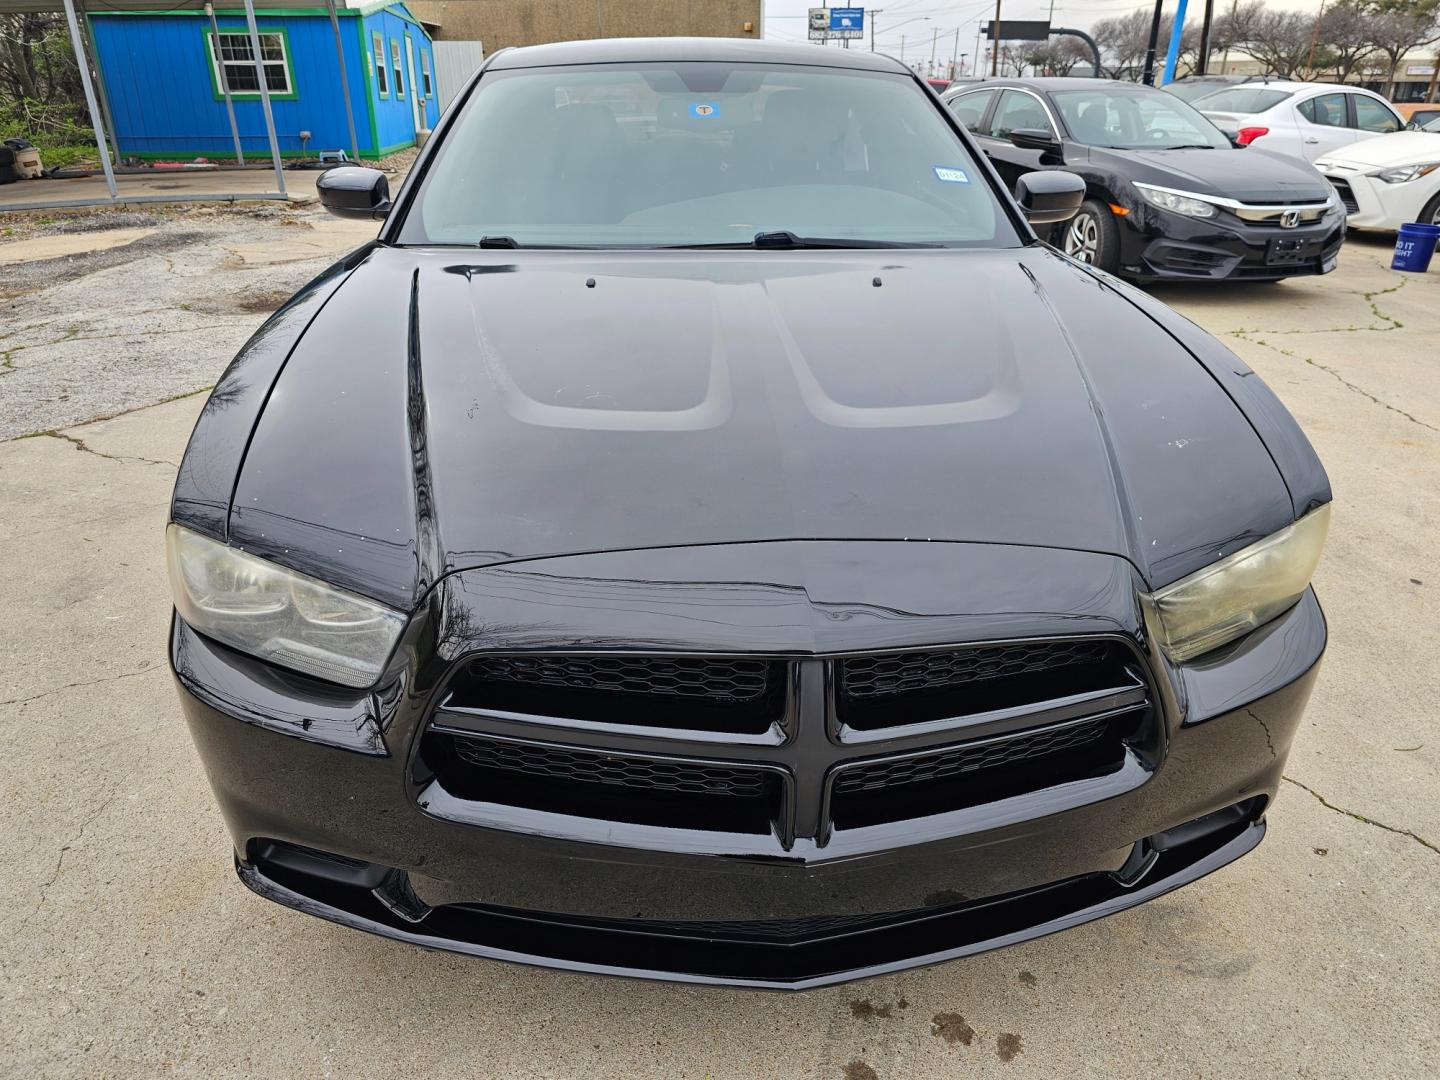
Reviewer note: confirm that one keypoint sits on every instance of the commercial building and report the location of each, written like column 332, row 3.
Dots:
column 503, row 23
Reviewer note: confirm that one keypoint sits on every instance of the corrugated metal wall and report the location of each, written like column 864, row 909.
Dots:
column 455, row 62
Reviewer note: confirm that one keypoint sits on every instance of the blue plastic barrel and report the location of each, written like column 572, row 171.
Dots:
column 1414, row 247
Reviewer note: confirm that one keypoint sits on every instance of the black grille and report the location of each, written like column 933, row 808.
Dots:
column 740, row 696
column 874, row 676
column 1347, row 195
column 586, row 767
column 519, row 733
column 892, row 690
column 629, row 787
column 720, row 680
column 926, row 768
column 984, row 771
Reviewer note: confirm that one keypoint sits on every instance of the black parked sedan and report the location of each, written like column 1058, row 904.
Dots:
column 1167, row 195
column 709, row 537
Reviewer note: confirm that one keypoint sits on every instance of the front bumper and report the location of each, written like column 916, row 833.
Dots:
column 325, row 818
column 1372, row 204
column 1156, row 245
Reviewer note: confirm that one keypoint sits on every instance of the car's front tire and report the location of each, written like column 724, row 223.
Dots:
column 1431, row 213
column 1092, row 236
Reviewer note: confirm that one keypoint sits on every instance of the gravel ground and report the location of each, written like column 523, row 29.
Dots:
column 100, row 332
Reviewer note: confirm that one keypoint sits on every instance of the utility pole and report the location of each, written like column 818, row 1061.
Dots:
column 995, row 41
column 1148, row 76
column 1225, row 59
column 870, row 14
column 902, row 48
column 934, row 40
column 1203, row 68
column 955, row 54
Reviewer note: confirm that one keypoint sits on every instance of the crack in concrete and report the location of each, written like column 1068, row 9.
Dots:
column 81, row 445
column 113, row 415
column 84, row 682
column 1241, row 334
column 1361, row 817
column 44, row 887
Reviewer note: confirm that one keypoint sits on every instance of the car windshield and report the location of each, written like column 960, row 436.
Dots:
column 1431, row 125
column 1243, row 99
column 1126, row 120
column 701, row 154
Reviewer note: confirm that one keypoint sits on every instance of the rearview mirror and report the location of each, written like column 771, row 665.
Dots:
column 1049, row 197
column 354, row 192
column 1035, row 139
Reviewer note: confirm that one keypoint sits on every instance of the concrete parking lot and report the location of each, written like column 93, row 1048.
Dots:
column 129, row 949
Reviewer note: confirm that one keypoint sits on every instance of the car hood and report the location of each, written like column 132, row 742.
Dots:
column 1387, row 151
column 1249, row 175
column 451, row 409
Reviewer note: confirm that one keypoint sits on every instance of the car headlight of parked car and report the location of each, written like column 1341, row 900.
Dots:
column 1231, row 597
column 1177, row 202
column 1406, row 173
column 278, row 615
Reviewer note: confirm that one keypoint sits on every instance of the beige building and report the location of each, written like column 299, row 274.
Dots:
column 502, row 23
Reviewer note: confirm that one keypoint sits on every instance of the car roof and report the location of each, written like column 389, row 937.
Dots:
column 680, row 49
column 1050, row 83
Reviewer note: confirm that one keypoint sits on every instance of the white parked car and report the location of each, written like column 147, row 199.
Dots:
column 1303, row 120
column 1387, row 182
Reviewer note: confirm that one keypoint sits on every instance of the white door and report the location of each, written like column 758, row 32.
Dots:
column 417, row 111
column 1324, row 122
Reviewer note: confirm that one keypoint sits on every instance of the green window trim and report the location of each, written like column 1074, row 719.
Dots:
column 287, row 56
column 398, row 73
column 377, row 65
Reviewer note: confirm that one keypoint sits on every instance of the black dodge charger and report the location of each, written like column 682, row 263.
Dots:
column 707, row 536
column 1167, row 195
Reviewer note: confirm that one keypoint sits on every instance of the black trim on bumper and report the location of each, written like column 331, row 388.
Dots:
column 616, row 947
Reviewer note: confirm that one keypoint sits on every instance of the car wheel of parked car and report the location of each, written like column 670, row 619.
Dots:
column 1431, row 213
column 1092, row 237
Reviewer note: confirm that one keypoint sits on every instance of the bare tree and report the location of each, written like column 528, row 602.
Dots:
column 1345, row 38
column 1399, row 26
column 1057, row 56
column 1280, row 40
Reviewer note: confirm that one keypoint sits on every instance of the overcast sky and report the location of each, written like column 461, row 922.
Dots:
column 919, row 20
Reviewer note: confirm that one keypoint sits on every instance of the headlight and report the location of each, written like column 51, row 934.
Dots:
column 1240, row 592
column 1175, row 202
column 1407, row 172
column 279, row 615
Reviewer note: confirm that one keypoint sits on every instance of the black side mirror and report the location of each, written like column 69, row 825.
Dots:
column 1035, row 139
column 1049, row 197
column 1234, row 136
column 354, row 192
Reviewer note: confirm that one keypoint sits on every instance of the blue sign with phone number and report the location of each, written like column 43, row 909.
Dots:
column 847, row 18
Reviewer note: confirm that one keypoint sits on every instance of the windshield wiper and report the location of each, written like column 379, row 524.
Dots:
column 1188, row 146
column 784, row 240
column 497, row 242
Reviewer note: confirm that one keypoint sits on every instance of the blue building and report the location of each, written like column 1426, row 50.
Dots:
column 161, row 73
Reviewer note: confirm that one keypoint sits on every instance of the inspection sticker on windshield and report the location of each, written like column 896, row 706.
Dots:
column 704, row 110
column 951, row 176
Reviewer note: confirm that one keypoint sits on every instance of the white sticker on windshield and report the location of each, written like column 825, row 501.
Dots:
column 951, row 176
